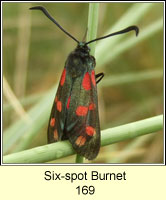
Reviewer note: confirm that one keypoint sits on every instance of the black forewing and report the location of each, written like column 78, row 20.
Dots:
column 61, row 98
column 76, row 125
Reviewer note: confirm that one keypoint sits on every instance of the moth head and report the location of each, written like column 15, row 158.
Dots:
column 83, row 47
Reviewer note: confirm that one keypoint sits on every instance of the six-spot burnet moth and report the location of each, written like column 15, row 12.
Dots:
column 74, row 115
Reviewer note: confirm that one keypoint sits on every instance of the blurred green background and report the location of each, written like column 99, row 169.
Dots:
column 34, row 53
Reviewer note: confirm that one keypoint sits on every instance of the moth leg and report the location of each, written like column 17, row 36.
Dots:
column 99, row 77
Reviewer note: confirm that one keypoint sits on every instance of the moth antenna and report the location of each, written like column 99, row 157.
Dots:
column 128, row 29
column 53, row 20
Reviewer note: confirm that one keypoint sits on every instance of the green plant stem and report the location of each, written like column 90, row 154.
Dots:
column 109, row 136
column 92, row 25
column 79, row 159
column 92, row 32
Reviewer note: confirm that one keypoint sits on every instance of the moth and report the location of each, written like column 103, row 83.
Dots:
column 74, row 115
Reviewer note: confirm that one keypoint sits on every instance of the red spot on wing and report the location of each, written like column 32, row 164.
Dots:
column 86, row 83
column 63, row 77
column 59, row 106
column 92, row 106
column 52, row 122
column 68, row 102
column 81, row 110
column 56, row 99
column 93, row 77
column 90, row 131
column 80, row 141
column 55, row 134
